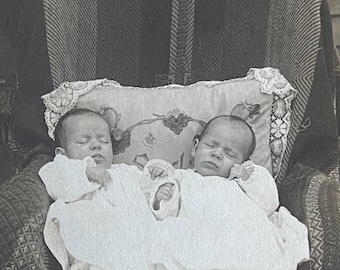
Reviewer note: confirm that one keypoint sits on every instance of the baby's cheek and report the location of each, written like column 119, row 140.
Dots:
column 228, row 169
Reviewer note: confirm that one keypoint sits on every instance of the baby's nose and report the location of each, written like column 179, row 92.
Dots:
column 217, row 154
column 95, row 144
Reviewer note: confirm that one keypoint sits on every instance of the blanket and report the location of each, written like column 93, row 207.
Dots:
column 218, row 226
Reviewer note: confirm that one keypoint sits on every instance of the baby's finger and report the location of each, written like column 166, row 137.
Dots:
column 161, row 195
column 159, row 172
column 168, row 192
column 164, row 189
column 153, row 173
column 164, row 192
column 163, row 174
column 164, row 197
column 168, row 185
column 234, row 172
column 150, row 169
column 236, row 166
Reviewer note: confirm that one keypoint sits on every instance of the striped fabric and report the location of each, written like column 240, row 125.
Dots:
column 174, row 36
column 118, row 40
column 229, row 37
column 292, row 46
column 71, row 30
column 181, row 40
column 85, row 43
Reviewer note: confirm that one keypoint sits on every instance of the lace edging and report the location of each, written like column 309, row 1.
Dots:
column 162, row 164
column 65, row 98
column 273, row 82
column 90, row 162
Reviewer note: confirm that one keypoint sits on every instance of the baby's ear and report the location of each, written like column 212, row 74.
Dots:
column 194, row 147
column 60, row 151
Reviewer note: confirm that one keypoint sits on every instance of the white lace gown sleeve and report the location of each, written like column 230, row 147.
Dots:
column 260, row 187
column 66, row 179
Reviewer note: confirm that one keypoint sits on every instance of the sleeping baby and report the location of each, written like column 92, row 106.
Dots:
column 226, row 216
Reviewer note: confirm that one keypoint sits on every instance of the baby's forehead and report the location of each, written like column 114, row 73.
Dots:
column 86, row 120
column 222, row 123
column 86, row 117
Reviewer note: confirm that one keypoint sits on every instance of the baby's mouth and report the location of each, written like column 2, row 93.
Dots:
column 97, row 157
column 210, row 164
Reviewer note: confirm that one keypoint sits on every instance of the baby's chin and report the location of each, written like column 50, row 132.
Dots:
column 103, row 164
column 209, row 172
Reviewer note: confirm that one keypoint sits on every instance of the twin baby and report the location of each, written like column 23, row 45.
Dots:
column 219, row 215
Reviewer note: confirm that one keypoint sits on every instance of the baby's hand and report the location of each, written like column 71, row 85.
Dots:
column 157, row 172
column 238, row 172
column 164, row 192
column 97, row 175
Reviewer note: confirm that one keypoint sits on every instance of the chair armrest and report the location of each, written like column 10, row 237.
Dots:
column 314, row 199
column 23, row 208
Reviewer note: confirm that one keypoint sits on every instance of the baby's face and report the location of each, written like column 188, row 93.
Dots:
column 88, row 135
column 220, row 148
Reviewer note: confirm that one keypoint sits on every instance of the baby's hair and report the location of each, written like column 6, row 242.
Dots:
column 235, row 119
column 59, row 132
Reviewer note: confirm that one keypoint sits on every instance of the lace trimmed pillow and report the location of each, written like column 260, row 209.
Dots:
column 161, row 122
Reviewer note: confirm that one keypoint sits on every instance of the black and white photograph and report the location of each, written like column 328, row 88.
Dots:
column 169, row 135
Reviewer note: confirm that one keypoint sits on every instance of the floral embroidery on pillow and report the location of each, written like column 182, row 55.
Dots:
column 140, row 160
column 246, row 110
column 149, row 140
column 175, row 120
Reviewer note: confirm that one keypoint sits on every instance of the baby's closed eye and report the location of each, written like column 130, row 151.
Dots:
column 103, row 139
column 229, row 154
column 82, row 141
column 210, row 144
